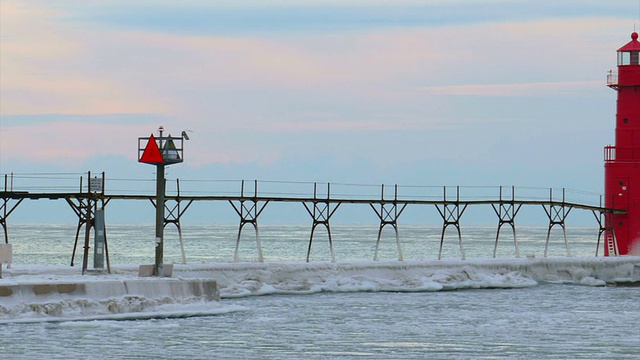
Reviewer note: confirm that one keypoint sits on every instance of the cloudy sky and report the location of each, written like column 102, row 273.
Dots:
column 427, row 92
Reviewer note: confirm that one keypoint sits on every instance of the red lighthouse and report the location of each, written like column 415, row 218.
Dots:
column 622, row 161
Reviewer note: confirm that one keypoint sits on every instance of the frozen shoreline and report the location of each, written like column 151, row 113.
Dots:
column 242, row 279
column 65, row 294
column 406, row 275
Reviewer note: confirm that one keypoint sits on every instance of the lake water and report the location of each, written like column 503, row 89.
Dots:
column 550, row 320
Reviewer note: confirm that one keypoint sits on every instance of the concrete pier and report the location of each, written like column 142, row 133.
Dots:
column 60, row 294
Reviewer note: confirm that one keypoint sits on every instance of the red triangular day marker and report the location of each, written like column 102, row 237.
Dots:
column 151, row 154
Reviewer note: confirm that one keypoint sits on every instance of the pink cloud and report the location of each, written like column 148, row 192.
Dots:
column 45, row 67
column 210, row 82
column 59, row 67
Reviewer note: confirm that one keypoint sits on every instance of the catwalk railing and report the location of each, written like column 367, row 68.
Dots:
column 85, row 193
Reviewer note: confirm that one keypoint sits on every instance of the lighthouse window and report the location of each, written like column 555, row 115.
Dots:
column 629, row 58
column 624, row 58
column 626, row 121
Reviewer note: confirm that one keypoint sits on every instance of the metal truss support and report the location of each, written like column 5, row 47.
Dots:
column 249, row 209
column 610, row 234
column 557, row 214
column 389, row 215
column 6, row 208
column 173, row 215
column 85, row 207
column 320, row 211
column 451, row 213
column 507, row 211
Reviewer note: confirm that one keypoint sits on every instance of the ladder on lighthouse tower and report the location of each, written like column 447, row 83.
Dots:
column 612, row 247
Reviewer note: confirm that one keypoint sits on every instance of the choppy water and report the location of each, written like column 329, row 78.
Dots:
column 545, row 321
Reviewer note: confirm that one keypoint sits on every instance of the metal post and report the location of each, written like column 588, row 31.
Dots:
column 160, row 189
column 87, row 225
column 99, row 240
column 160, row 192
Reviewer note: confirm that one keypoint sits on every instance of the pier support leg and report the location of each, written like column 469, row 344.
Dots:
column 320, row 211
column 184, row 256
column 610, row 235
column 178, row 226
column 446, row 224
column 393, row 224
column 83, row 208
column 236, row 254
column 248, row 215
column 451, row 212
column 389, row 215
column 173, row 214
column 313, row 228
column 5, row 210
column 249, row 209
column 557, row 214
column 84, row 205
column 75, row 242
column 515, row 239
column 507, row 211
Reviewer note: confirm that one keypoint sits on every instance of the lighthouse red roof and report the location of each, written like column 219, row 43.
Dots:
column 633, row 45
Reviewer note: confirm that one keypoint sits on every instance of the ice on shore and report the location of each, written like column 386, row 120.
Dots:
column 245, row 279
column 123, row 294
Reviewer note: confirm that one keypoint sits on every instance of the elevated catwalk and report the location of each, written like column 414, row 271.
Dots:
column 320, row 203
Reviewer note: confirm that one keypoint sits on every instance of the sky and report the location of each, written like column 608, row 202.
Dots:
column 432, row 92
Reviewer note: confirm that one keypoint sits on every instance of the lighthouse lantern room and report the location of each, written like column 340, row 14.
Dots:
column 622, row 161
